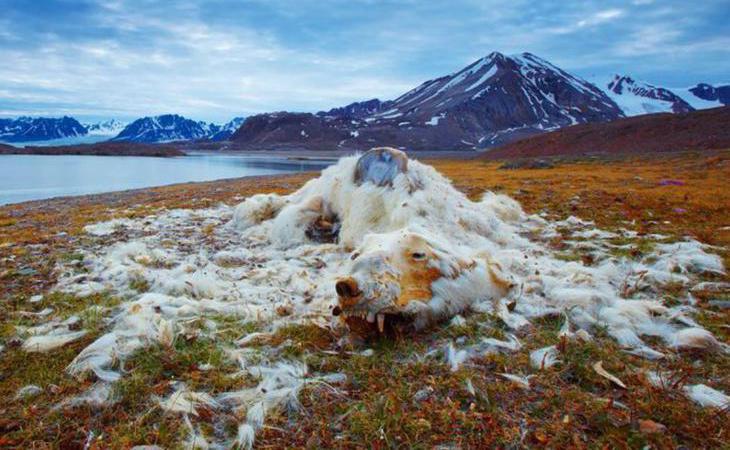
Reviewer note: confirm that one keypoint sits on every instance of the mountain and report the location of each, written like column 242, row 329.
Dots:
column 637, row 97
column 224, row 132
column 705, row 95
column 648, row 133
column 495, row 99
column 111, row 127
column 165, row 128
column 357, row 110
column 292, row 130
column 27, row 129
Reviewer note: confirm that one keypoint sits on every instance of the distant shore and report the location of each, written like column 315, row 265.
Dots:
column 98, row 149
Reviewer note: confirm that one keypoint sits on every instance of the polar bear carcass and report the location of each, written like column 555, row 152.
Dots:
column 420, row 249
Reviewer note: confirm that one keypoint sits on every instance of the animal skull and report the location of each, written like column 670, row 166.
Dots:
column 406, row 277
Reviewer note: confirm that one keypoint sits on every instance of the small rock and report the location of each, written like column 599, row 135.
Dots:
column 651, row 427
column 36, row 298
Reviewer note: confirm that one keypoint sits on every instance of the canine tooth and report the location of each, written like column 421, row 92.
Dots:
column 381, row 322
column 371, row 317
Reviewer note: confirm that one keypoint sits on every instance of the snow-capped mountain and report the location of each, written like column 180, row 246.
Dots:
column 357, row 110
column 111, row 127
column 28, row 129
column 495, row 99
column 638, row 97
column 704, row 95
column 224, row 132
column 165, row 128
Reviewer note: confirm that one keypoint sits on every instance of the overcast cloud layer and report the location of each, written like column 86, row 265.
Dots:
column 218, row 59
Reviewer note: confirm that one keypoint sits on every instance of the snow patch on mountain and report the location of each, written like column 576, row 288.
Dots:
column 111, row 127
column 225, row 131
column 638, row 97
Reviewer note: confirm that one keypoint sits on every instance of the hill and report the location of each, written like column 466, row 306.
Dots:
column 664, row 132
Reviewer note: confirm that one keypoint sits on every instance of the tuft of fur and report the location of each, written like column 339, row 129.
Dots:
column 706, row 396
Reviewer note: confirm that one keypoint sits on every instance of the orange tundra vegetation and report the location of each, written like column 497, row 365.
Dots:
column 393, row 400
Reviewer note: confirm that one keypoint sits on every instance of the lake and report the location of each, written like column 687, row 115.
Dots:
column 34, row 177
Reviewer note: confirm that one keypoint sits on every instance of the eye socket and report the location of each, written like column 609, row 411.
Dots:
column 418, row 256
column 354, row 256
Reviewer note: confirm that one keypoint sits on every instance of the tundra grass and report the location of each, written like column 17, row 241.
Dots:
column 403, row 395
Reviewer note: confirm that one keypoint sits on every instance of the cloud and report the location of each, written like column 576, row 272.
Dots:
column 600, row 17
column 219, row 59
column 588, row 21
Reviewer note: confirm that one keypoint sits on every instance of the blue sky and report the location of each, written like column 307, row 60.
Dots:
column 217, row 59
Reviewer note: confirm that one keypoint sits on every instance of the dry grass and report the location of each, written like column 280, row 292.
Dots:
column 393, row 399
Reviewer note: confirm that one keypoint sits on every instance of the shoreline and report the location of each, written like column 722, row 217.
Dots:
column 97, row 149
column 461, row 159
column 121, row 195
column 301, row 158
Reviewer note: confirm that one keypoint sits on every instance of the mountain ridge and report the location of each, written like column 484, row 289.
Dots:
column 28, row 129
column 494, row 99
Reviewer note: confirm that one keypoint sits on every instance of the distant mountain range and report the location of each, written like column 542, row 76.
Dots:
column 25, row 129
column 165, row 128
column 157, row 129
column 495, row 100
column 492, row 101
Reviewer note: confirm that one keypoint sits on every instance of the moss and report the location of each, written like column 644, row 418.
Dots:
column 70, row 257
column 139, row 284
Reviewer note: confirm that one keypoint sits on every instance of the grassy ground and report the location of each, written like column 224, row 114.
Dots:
column 392, row 399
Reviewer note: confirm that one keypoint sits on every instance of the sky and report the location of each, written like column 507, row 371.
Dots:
column 213, row 60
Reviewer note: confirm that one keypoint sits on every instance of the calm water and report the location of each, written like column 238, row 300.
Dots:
column 33, row 177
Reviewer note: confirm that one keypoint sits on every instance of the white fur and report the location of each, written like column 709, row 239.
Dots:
column 707, row 396
column 544, row 358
